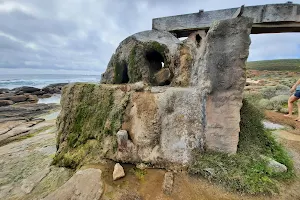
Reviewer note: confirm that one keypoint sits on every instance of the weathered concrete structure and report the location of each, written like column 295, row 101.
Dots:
column 168, row 97
column 273, row 18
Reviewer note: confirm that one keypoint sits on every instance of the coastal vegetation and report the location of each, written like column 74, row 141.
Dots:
column 275, row 65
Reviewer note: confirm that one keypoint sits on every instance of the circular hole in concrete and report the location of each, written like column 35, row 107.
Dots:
column 198, row 39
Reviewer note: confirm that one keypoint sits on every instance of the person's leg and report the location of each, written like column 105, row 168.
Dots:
column 291, row 100
column 298, row 103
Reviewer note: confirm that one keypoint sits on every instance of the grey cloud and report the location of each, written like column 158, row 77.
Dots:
column 82, row 34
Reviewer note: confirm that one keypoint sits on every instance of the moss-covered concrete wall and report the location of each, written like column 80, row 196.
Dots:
column 90, row 113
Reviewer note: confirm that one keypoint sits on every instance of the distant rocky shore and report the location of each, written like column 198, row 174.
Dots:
column 20, row 113
column 28, row 94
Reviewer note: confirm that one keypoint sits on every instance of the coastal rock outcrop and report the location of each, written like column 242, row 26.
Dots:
column 188, row 99
column 20, row 120
column 28, row 94
column 25, row 89
column 54, row 88
column 3, row 90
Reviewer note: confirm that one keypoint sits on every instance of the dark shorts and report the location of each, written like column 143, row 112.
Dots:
column 297, row 94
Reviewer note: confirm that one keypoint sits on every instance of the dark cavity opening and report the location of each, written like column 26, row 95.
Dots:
column 125, row 78
column 121, row 73
column 155, row 60
column 198, row 39
column 157, row 63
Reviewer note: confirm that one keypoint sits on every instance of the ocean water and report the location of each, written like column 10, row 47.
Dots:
column 11, row 81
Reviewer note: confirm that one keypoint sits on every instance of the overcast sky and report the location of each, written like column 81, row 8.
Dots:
column 79, row 36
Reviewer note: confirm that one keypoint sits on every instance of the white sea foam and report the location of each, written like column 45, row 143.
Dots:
column 53, row 99
column 41, row 80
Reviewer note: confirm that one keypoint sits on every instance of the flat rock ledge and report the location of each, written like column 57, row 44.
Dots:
column 84, row 185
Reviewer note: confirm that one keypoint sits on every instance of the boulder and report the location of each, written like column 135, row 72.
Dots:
column 83, row 185
column 6, row 102
column 54, row 88
column 25, row 89
column 32, row 98
column 118, row 172
column 168, row 183
column 56, row 85
column 275, row 166
column 163, row 77
column 122, row 138
column 18, row 98
column 3, row 90
column 6, row 96
column 41, row 92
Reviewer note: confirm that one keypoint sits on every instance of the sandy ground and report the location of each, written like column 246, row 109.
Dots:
column 279, row 118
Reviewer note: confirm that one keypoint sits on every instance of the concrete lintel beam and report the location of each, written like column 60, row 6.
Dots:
column 284, row 16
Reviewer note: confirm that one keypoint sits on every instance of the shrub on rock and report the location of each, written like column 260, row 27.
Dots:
column 265, row 104
column 272, row 91
column 278, row 101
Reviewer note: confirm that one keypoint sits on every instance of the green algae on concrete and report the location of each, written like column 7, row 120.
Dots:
column 134, row 71
column 91, row 113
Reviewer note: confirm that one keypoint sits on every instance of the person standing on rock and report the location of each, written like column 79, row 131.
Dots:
column 296, row 90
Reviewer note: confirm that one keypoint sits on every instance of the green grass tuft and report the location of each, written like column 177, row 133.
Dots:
column 74, row 157
column 139, row 173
